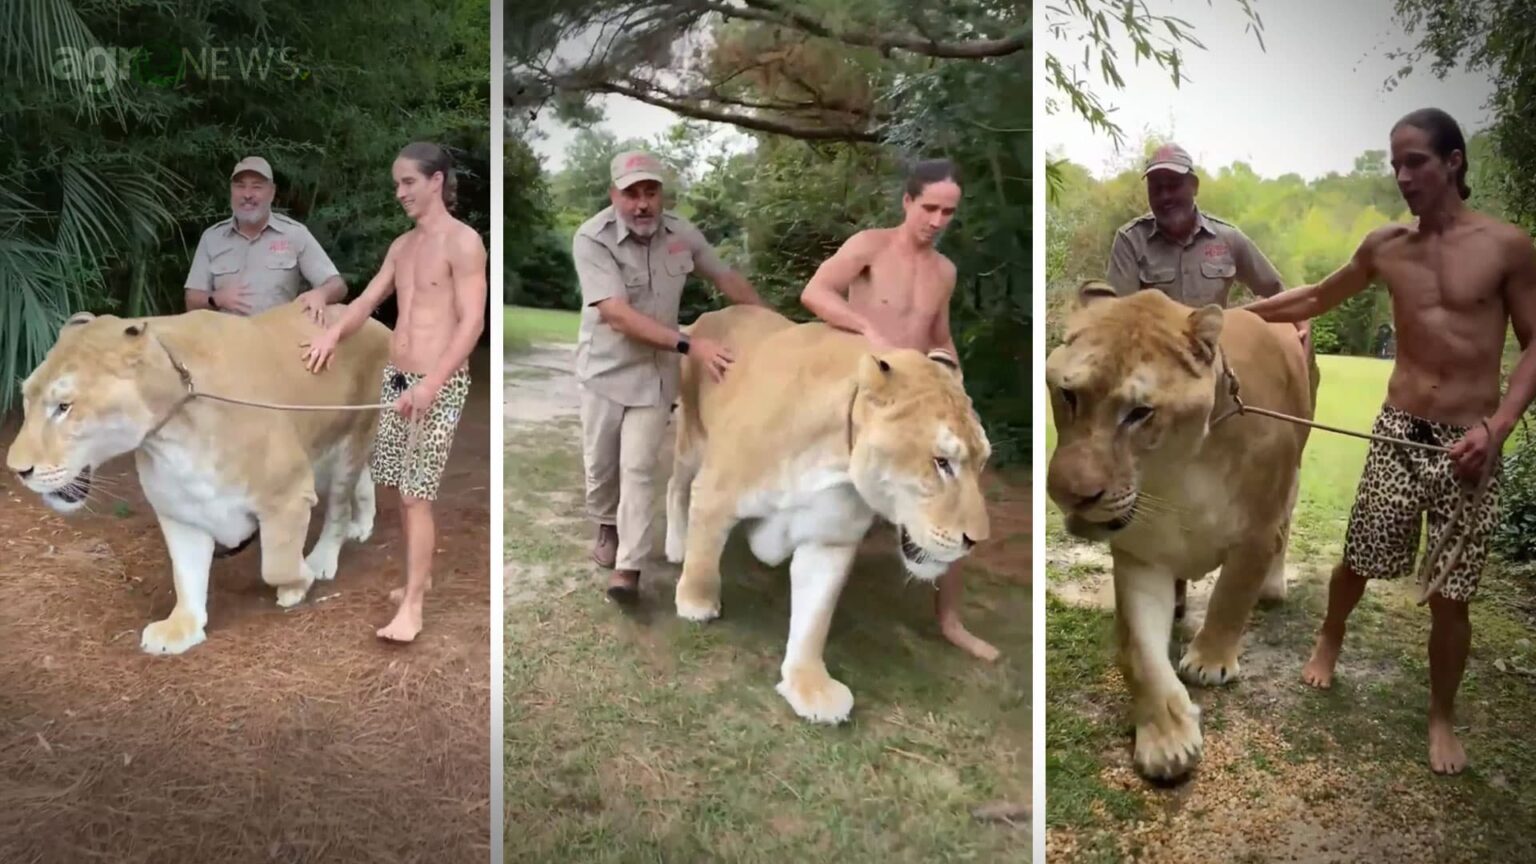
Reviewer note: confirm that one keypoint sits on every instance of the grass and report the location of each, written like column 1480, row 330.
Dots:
column 525, row 326
column 634, row 736
column 1360, row 745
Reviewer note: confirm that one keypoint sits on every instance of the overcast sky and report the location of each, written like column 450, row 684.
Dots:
column 1310, row 103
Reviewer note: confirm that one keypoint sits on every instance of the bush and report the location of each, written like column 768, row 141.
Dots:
column 1515, row 537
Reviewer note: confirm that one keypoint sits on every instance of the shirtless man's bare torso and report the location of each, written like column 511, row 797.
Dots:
column 1458, row 279
column 893, row 287
column 436, row 271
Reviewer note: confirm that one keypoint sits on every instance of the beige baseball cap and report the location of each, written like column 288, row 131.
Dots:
column 252, row 163
column 1169, row 157
column 632, row 166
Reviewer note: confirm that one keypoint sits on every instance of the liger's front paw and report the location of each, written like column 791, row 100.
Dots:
column 816, row 696
column 1169, row 744
column 174, row 635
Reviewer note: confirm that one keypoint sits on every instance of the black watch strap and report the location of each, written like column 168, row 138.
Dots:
column 213, row 302
column 682, row 345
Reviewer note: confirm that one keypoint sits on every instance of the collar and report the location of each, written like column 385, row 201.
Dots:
column 852, row 400
column 186, row 383
column 1226, row 385
column 272, row 224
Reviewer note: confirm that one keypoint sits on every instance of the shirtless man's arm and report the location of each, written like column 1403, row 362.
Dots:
column 466, row 261
column 355, row 313
column 1310, row 301
column 1519, row 289
column 826, row 295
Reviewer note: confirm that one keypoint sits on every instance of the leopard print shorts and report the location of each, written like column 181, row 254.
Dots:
column 416, row 475
column 1399, row 486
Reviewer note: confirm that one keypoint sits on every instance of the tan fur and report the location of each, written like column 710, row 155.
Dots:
column 771, row 444
column 1197, row 498
column 213, row 471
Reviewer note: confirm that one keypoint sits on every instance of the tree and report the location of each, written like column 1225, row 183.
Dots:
column 120, row 121
column 1492, row 36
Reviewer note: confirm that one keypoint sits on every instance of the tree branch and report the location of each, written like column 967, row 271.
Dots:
column 774, row 12
column 759, row 124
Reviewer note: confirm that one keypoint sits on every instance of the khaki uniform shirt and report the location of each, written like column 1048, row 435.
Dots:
column 613, row 262
column 1194, row 273
column 276, row 265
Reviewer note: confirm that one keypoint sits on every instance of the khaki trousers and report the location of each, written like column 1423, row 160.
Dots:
column 621, row 448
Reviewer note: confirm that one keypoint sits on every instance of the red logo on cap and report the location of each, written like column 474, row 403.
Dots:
column 634, row 162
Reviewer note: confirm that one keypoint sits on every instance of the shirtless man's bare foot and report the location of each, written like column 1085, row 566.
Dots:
column 947, row 608
column 437, row 271
column 1458, row 279
column 893, row 287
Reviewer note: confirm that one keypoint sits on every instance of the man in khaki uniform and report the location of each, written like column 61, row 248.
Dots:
column 1189, row 255
column 257, row 259
column 632, row 260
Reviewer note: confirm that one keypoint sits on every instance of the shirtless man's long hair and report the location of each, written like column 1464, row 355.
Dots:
column 432, row 159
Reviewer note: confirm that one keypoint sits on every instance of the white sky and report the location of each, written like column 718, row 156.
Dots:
column 1309, row 104
column 623, row 116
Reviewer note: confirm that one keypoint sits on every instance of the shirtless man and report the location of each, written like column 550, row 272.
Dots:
column 893, row 287
column 437, row 271
column 1457, row 278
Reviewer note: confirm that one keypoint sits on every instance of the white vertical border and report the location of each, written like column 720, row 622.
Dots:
column 498, row 427
column 1037, row 467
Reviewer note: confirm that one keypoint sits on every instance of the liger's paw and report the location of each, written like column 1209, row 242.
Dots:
column 1169, row 745
column 816, row 696
column 175, row 634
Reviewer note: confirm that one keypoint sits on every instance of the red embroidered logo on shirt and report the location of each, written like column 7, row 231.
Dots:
column 1216, row 250
column 677, row 246
column 278, row 247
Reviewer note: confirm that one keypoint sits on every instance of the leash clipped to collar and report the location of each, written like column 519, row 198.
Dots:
column 1428, row 587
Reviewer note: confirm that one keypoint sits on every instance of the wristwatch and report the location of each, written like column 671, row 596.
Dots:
column 682, row 345
column 213, row 302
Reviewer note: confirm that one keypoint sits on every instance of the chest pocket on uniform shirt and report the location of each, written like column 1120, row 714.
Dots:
column 283, row 261
column 637, row 284
column 1218, row 268
column 224, row 263
column 680, row 264
column 1156, row 277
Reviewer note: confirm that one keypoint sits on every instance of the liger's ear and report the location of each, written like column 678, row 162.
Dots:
column 1204, row 330
column 76, row 320
column 1094, row 291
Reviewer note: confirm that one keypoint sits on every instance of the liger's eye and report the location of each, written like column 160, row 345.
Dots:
column 943, row 465
column 1137, row 414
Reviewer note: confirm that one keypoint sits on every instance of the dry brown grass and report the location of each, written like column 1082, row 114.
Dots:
column 287, row 736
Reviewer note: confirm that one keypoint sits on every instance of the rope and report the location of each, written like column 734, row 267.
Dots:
column 1427, row 586
column 413, row 430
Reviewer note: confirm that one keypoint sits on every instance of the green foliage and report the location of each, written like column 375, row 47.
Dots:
column 814, row 174
column 1515, row 537
column 1307, row 229
column 112, row 163
column 1492, row 37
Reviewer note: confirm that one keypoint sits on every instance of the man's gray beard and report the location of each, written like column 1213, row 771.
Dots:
column 256, row 219
column 643, row 232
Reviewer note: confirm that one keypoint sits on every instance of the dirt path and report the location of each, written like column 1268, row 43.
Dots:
column 1289, row 774
column 287, row 736
column 633, row 736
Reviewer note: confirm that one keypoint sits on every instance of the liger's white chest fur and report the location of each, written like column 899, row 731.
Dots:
column 808, row 500
column 184, row 482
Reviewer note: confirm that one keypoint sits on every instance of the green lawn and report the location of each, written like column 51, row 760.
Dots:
column 1283, row 760
column 524, row 326
column 634, row 736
